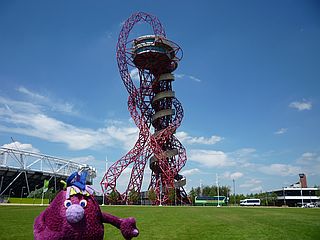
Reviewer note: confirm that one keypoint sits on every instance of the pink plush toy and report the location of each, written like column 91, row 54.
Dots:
column 75, row 214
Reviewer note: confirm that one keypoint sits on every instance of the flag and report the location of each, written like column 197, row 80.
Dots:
column 45, row 185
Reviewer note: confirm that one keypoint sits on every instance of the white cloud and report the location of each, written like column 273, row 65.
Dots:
column 45, row 102
column 210, row 158
column 31, row 94
column 30, row 120
column 309, row 158
column 234, row 175
column 256, row 189
column 21, row 146
column 303, row 105
column 124, row 179
column 90, row 160
column 187, row 139
column 243, row 155
column 146, row 178
column 11, row 106
column 281, row 131
column 134, row 73
column 310, row 162
column 193, row 78
column 243, row 152
column 177, row 75
column 250, row 183
column 123, row 134
column 53, row 130
column 190, row 172
column 280, row 169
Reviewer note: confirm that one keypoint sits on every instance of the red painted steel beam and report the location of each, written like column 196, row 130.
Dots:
column 140, row 109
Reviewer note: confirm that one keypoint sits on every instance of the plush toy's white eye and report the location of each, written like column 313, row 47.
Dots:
column 83, row 203
column 67, row 203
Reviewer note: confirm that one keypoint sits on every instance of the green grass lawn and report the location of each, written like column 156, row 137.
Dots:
column 16, row 222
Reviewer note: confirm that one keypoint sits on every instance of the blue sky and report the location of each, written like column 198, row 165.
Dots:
column 248, row 82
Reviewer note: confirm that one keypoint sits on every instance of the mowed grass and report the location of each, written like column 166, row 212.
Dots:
column 16, row 222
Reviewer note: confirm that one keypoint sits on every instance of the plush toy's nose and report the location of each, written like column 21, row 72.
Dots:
column 74, row 213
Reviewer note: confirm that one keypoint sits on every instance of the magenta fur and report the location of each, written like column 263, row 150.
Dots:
column 80, row 218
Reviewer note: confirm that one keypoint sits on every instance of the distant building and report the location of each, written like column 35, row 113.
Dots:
column 297, row 194
column 303, row 180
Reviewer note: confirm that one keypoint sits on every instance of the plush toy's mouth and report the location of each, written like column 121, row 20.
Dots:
column 74, row 213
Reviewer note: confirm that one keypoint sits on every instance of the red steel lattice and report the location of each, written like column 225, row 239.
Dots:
column 151, row 103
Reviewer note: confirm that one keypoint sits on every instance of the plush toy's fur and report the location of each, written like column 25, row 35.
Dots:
column 78, row 216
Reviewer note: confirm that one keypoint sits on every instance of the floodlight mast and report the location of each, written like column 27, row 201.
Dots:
column 151, row 103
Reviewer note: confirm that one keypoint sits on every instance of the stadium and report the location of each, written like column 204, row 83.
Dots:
column 23, row 172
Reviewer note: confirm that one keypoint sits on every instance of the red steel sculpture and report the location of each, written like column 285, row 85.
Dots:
column 151, row 104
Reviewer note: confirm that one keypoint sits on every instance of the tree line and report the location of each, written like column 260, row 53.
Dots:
column 266, row 199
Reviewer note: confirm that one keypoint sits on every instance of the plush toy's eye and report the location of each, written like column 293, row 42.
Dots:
column 83, row 203
column 67, row 203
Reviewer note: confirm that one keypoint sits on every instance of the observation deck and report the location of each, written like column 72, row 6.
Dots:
column 153, row 52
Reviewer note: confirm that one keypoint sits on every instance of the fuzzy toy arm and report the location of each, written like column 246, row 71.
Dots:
column 127, row 226
column 113, row 220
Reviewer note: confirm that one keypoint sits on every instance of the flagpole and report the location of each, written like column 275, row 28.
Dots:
column 44, row 189
column 42, row 196
column 217, row 182
column 103, row 193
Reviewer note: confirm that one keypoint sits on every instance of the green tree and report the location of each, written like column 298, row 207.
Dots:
column 224, row 190
column 240, row 197
column 192, row 194
column 209, row 191
column 37, row 193
column 152, row 195
column 197, row 191
column 213, row 191
column 172, row 195
column 113, row 197
column 232, row 199
column 273, row 198
column 133, row 197
column 50, row 194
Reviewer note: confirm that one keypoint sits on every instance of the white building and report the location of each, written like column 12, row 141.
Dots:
column 294, row 196
column 298, row 194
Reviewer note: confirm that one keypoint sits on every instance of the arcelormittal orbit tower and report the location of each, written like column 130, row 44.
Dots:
column 156, row 112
